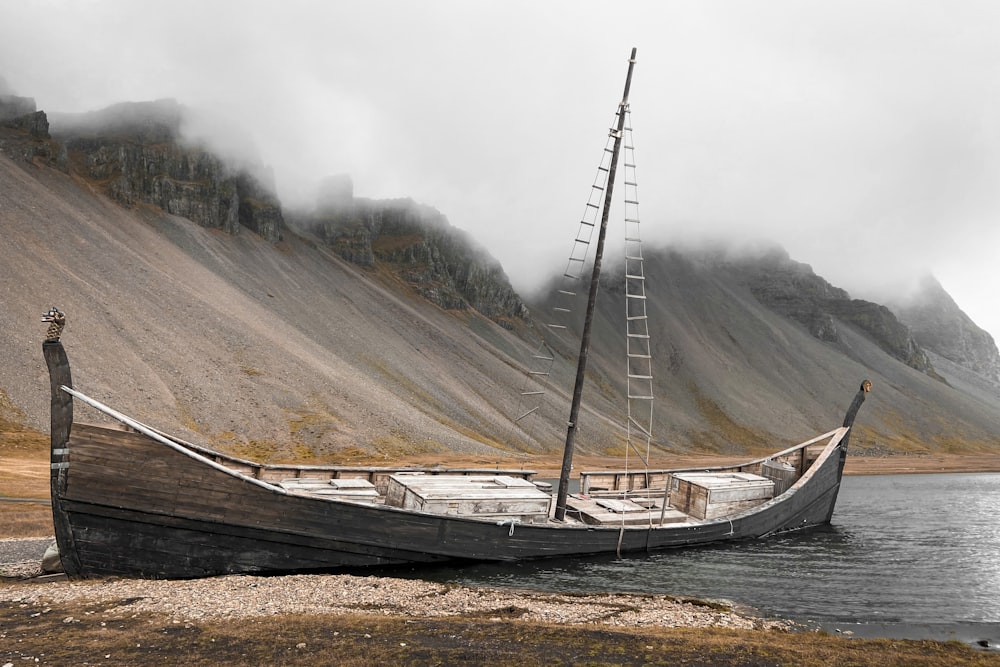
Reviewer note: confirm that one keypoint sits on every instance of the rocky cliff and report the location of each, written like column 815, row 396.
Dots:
column 418, row 245
column 24, row 132
column 792, row 289
column 941, row 326
column 137, row 153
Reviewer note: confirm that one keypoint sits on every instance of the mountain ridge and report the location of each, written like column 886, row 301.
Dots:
column 291, row 348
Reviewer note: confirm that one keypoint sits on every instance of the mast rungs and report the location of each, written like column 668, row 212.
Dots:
column 564, row 292
column 638, row 257
column 631, row 318
column 591, row 205
column 634, row 355
column 635, row 296
column 532, row 393
column 598, row 187
column 631, row 219
column 545, row 373
column 602, row 169
column 631, row 201
column 589, row 224
column 559, row 309
column 629, row 275
column 556, row 326
column 641, row 398
column 630, row 165
column 640, row 377
column 631, row 183
column 541, row 357
column 535, row 409
column 635, row 335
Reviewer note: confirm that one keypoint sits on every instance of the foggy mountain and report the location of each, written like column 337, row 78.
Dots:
column 197, row 305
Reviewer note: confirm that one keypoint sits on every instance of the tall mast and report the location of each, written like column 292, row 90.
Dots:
column 581, row 366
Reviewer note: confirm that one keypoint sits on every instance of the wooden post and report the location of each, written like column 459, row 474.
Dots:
column 581, row 366
column 60, row 424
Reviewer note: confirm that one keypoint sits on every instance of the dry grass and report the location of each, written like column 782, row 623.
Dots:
column 79, row 634
column 24, row 474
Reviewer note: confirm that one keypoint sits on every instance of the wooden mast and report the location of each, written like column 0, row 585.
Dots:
column 581, row 367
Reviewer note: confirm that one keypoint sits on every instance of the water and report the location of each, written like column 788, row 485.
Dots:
column 907, row 555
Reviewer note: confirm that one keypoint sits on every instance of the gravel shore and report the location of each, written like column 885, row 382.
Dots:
column 232, row 597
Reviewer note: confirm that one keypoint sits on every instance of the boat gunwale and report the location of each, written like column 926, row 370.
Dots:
column 836, row 436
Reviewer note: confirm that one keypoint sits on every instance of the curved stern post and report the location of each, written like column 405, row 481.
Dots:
column 852, row 412
column 61, row 422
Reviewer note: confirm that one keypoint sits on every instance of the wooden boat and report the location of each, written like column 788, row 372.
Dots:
column 134, row 501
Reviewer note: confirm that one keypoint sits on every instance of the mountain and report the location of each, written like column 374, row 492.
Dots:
column 942, row 328
column 200, row 306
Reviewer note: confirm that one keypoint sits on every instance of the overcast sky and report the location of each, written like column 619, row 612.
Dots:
column 862, row 136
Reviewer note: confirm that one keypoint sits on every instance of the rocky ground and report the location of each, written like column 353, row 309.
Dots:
column 233, row 597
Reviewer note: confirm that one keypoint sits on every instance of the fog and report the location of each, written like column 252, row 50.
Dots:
column 863, row 136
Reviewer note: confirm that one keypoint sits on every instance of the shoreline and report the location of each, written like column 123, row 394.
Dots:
column 237, row 597
column 248, row 597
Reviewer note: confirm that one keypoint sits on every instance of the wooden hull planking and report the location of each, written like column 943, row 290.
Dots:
column 136, row 507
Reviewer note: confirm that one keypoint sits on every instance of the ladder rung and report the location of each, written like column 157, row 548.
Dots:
column 608, row 150
column 637, row 377
column 591, row 205
column 560, row 309
column 532, row 393
column 643, row 398
column 541, row 358
column 555, row 326
column 631, row 219
column 636, row 317
column 633, row 239
column 526, row 414
column 627, row 275
column 631, row 201
column 631, row 183
column 602, row 169
column 635, row 296
column 565, row 293
column 589, row 224
column 598, row 187
column 538, row 373
column 637, row 335
column 630, row 165
column 633, row 355
column 639, row 257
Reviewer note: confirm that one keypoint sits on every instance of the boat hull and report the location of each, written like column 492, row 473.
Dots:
column 135, row 507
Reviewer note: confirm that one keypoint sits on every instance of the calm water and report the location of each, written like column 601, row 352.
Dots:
column 903, row 550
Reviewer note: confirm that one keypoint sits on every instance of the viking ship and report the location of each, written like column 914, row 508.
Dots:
column 135, row 501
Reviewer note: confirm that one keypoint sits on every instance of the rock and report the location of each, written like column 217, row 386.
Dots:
column 441, row 263
column 792, row 289
column 942, row 327
column 51, row 562
column 137, row 151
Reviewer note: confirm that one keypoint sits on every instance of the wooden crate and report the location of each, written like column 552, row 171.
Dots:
column 480, row 496
column 782, row 473
column 710, row 495
column 342, row 488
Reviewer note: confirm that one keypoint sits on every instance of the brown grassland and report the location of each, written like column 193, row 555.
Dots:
column 74, row 634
